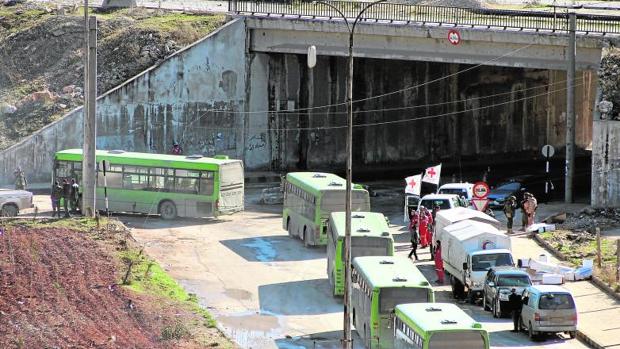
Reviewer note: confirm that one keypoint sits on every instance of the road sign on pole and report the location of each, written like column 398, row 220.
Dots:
column 481, row 190
column 480, row 204
column 548, row 151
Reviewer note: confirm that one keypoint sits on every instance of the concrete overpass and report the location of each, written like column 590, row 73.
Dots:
column 245, row 91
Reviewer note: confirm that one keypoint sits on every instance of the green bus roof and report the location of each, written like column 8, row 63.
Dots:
column 390, row 271
column 120, row 157
column 430, row 317
column 317, row 182
column 362, row 224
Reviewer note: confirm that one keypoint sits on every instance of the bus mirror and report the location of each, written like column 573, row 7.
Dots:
column 465, row 266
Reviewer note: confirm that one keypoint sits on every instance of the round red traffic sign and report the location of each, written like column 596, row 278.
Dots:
column 454, row 36
column 481, row 190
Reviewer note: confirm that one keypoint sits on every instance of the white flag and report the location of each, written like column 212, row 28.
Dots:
column 414, row 184
column 432, row 174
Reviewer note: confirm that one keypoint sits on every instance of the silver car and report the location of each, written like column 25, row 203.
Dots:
column 12, row 201
column 498, row 285
column 548, row 309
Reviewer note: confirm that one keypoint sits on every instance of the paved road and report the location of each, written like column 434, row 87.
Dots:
column 267, row 290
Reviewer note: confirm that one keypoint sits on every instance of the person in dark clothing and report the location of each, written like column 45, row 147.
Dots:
column 55, row 196
column 75, row 195
column 414, row 243
column 510, row 208
column 66, row 196
column 516, row 305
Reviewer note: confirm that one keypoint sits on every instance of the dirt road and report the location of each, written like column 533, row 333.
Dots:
column 266, row 289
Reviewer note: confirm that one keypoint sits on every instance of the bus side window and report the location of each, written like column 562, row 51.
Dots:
column 206, row 183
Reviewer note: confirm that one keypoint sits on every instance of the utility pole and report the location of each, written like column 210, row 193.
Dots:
column 90, row 123
column 347, row 340
column 570, row 108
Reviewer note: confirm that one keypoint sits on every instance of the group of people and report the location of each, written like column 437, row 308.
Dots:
column 421, row 228
column 528, row 206
column 69, row 192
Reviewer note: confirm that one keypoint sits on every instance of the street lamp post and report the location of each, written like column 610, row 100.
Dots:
column 347, row 340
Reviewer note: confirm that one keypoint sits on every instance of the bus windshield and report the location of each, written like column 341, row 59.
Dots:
column 457, row 339
column 389, row 297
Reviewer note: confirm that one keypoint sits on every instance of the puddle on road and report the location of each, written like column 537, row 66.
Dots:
column 251, row 330
column 263, row 249
column 238, row 293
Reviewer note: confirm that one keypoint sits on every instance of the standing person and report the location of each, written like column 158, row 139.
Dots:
column 439, row 263
column 55, row 196
column 530, row 208
column 510, row 207
column 522, row 204
column 66, row 196
column 75, row 195
column 415, row 239
column 20, row 179
column 424, row 220
column 176, row 149
column 516, row 305
column 436, row 209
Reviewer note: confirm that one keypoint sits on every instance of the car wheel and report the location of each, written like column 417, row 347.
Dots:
column 572, row 334
column 531, row 332
column 9, row 210
column 168, row 210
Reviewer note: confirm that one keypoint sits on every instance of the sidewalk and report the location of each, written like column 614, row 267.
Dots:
column 599, row 313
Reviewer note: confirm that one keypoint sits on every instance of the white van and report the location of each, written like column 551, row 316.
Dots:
column 444, row 201
column 464, row 190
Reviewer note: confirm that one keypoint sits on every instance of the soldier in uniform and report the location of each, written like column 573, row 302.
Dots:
column 510, row 207
column 20, row 179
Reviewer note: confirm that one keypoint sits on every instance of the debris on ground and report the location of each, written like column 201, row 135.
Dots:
column 588, row 218
column 60, row 287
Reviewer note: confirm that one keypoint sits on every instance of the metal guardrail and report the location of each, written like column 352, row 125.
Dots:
column 433, row 15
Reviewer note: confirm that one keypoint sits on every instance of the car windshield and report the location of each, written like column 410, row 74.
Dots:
column 512, row 186
column 430, row 204
column 556, row 301
column 514, row 280
column 458, row 191
column 484, row 262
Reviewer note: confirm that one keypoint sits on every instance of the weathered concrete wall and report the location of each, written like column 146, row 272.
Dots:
column 172, row 101
column 527, row 110
column 606, row 164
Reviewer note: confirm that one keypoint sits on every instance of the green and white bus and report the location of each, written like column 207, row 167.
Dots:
column 437, row 326
column 370, row 236
column 379, row 284
column 169, row 185
column 309, row 198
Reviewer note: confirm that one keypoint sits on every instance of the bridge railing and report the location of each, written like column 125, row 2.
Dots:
column 432, row 15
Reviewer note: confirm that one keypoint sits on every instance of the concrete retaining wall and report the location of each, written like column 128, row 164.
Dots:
column 606, row 164
column 172, row 101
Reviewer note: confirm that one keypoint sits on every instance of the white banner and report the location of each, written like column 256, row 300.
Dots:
column 432, row 174
column 414, row 184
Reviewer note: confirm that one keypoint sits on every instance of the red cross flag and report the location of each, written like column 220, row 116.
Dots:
column 431, row 175
column 414, row 184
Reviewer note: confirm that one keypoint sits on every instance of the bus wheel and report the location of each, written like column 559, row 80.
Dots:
column 168, row 210
column 9, row 210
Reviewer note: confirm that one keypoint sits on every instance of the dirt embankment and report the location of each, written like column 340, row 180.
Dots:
column 59, row 288
column 41, row 67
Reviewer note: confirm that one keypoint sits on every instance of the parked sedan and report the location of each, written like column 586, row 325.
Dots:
column 12, row 201
column 516, row 186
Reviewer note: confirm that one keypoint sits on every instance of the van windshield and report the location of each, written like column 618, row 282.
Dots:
column 390, row 297
column 458, row 191
column 458, row 339
column 442, row 203
column 484, row 262
column 556, row 301
column 514, row 280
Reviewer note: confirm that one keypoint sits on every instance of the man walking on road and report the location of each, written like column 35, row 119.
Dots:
column 516, row 304
column 510, row 207
column 55, row 196
column 66, row 196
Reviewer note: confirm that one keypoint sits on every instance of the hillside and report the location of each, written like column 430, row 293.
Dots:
column 41, row 69
column 65, row 284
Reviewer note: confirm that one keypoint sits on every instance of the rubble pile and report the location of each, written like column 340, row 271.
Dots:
column 589, row 218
